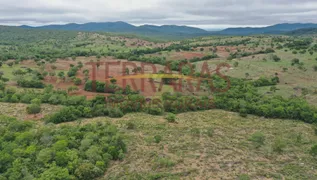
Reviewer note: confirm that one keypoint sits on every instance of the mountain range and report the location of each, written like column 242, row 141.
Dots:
column 173, row 30
column 123, row 27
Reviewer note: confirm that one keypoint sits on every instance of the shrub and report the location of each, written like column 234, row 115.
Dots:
column 279, row 145
column 115, row 113
column 66, row 114
column 195, row 131
column 170, row 117
column 295, row 61
column 157, row 138
column 163, row 163
column 243, row 112
column 285, row 69
column 30, row 83
column 154, row 110
column 258, row 139
column 36, row 101
column 130, row 125
column 313, row 150
column 276, row 58
column 72, row 72
column 244, row 177
column 33, row 109
column 210, row 132
column 77, row 81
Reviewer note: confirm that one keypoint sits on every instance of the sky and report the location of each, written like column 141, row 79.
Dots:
column 206, row 14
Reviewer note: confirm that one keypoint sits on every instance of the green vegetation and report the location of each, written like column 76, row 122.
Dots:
column 66, row 152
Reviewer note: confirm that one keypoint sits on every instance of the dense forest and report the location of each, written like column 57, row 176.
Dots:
column 60, row 153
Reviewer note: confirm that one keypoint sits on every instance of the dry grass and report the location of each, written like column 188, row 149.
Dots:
column 213, row 145
column 19, row 111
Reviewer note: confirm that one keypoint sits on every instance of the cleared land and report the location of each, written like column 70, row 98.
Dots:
column 213, row 144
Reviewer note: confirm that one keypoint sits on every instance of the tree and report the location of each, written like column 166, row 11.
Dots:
column 61, row 75
column 53, row 67
column 56, row 173
column 113, row 81
column 87, row 171
column 85, row 71
column 295, row 61
column 77, row 81
column 275, row 58
column 80, row 65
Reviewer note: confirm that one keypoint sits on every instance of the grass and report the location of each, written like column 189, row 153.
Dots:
column 19, row 110
column 292, row 80
column 213, row 144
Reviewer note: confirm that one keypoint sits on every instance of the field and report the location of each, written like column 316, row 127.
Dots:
column 262, row 127
column 213, row 145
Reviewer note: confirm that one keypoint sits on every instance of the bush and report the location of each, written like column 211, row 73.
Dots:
column 115, row 113
column 258, row 139
column 130, row 125
column 154, row 110
column 77, row 81
column 33, row 109
column 67, row 114
column 243, row 112
column 171, row 118
column 276, row 58
column 279, row 145
column 157, row 138
column 313, row 150
column 163, row 163
column 30, row 83
column 244, row 177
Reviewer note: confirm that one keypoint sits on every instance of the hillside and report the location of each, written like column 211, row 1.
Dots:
column 301, row 32
column 254, row 118
column 275, row 29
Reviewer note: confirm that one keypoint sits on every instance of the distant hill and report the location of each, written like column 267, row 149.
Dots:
column 275, row 29
column 301, row 32
column 176, row 32
column 123, row 27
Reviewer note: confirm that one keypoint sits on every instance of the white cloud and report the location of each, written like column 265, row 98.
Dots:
column 200, row 13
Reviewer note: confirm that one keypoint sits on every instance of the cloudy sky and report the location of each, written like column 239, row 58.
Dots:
column 208, row 14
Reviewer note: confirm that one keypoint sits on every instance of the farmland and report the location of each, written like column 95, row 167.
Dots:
column 253, row 118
